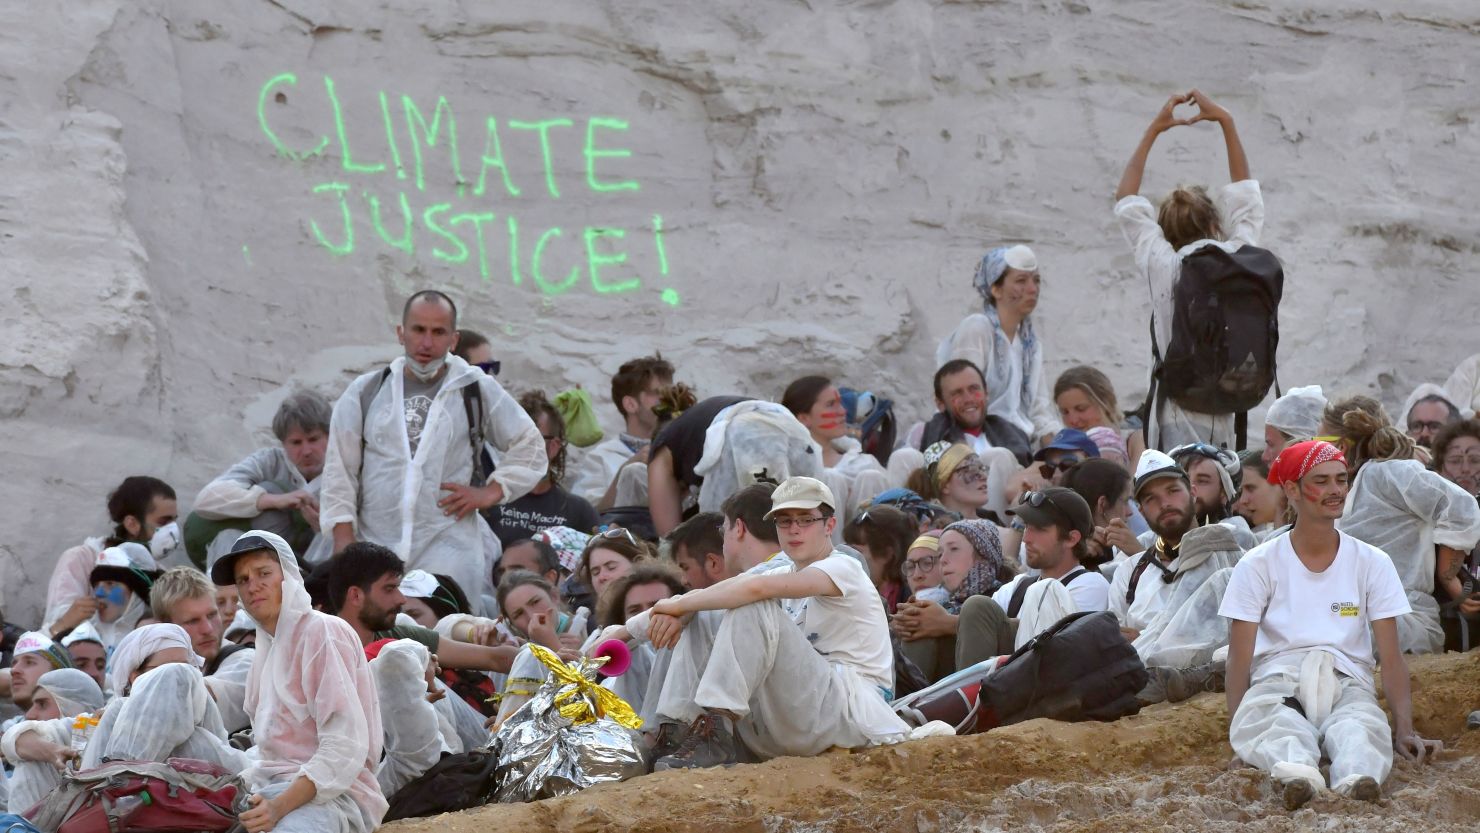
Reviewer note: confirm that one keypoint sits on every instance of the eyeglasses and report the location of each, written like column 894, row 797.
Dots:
column 615, row 532
column 1048, row 469
column 797, row 523
column 971, row 473
column 1432, row 427
column 491, row 368
column 921, row 565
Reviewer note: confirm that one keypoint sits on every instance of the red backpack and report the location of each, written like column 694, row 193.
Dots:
column 182, row 795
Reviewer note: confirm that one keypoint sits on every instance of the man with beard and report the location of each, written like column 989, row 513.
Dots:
column 365, row 591
column 961, row 417
column 1215, row 476
column 1141, row 585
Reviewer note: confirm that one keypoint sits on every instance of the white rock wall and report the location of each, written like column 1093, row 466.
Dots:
column 175, row 259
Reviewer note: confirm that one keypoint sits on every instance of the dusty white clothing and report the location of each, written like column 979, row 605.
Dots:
column 70, row 579
column 392, row 499
column 1188, row 631
column 597, row 468
column 229, row 686
column 168, row 714
column 32, row 780
column 314, row 710
column 1268, row 734
column 850, row 629
column 747, row 438
column 413, row 734
column 136, row 648
column 854, row 480
column 74, row 691
column 1463, row 385
column 1299, row 611
column 1089, row 590
column 233, row 495
column 1404, row 510
column 974, row 340
column 1298, row 413
column 789, row 699
column 1045, row 603
column 1241, row 212
column 1150, row 596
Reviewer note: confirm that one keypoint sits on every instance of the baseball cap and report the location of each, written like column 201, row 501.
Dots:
column 1056, row 506
column 1070, row 439
column 1155, row 465
column 801, row 493
column 221, row 571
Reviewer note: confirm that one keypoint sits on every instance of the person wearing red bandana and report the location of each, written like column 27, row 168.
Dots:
column 1305, row 609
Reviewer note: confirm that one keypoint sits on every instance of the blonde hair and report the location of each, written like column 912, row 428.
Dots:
column 1366, row 432
column 176, row 585
column 1187, row 215
column 1096, row 385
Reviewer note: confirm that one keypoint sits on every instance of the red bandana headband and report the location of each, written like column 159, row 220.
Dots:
column 1297, row 460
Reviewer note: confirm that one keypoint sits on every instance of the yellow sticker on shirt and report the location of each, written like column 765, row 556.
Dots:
column 1345, row 609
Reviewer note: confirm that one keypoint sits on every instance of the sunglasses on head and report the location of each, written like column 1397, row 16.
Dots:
column 616, row 532
column 1036, row 500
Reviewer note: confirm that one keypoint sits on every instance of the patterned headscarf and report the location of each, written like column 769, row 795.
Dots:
column 991, row 269
column 981, row 579
column 1297, row 460
column 568, row 544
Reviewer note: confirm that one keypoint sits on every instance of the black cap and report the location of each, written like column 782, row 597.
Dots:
column 221, row 571
column 1056, row 506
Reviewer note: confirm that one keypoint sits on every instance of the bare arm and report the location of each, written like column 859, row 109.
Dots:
column 665, row 496
column 1238, row 163
column 1130, row 181
column 454, row 654
column 745, row 590
column 1446, row 572
column 1396, row 689
column 1240, row 659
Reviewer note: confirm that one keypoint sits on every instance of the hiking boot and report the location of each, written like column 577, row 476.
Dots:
column 668, row 738
column 1181, row 683
column 1297, row 792
column 708, row 742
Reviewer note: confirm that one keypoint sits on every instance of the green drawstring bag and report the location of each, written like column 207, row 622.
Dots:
column 581, row 428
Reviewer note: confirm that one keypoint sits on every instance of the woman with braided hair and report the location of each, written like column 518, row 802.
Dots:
column 1424, row 522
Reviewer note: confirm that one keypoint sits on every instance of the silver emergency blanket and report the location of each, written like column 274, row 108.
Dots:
column 571, row 734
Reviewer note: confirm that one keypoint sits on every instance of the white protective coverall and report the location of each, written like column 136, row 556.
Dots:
column 75, row 693
column 1405, row 510
column 749, row 438
column 1463, row 386
column 70, row 579
column 234, row 495
column 228, row 686
column 414, row 741
column 1187, row 629
column 1241, row 210
column 1311, row 675
column 390, row 496
column 314, row 714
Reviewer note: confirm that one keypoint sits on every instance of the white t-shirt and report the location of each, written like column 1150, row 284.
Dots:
column 1089, row 590
column 1298, row 610
column 850, row 629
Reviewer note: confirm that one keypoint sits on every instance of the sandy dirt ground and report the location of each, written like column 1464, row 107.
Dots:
column 1162, row 770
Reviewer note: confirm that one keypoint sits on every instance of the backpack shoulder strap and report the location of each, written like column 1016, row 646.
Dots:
column 1141, row 565
column 1015, row 604
column 1069, row 577
column 472, row 397
column 367, row 395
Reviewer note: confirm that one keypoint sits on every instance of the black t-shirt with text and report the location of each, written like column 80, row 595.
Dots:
column 532, row 513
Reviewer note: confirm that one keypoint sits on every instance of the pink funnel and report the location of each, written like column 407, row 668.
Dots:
column 619, row 657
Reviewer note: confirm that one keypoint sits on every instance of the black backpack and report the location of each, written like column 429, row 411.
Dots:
column 1082, row 668
column 457, row 782
column 1225, row 331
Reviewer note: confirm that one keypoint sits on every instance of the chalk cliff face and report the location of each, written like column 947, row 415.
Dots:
column 203, row 206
